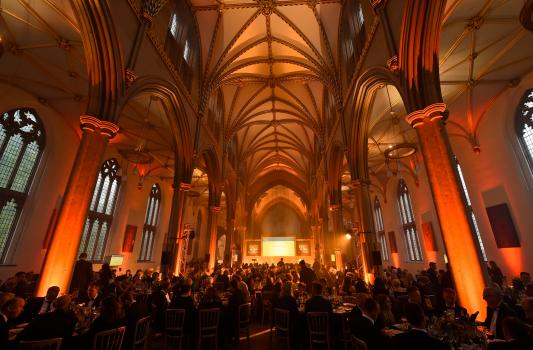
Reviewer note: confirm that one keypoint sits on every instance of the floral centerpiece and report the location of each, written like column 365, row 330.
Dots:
column 457, row 332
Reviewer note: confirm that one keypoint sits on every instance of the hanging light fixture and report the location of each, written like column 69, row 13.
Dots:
column 403, row 149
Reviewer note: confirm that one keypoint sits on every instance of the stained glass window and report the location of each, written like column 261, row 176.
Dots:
column 470, row 211
column 22, row 140
column 150, row 223
column 414, row 249
column 352, row 35
column 380, row 230
column 101, row 208
column 524, row 126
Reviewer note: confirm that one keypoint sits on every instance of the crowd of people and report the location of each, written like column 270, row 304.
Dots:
column 395, row 297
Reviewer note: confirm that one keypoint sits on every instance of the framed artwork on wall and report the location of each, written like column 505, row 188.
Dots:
column 503, row 226
column 129, row 238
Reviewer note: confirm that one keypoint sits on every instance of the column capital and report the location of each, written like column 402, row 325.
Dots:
column 334, row 207
column 433, row 111
column 215, row 209
column 90, row 123
column 360, row 182
column 184, row 186
column 378, row 3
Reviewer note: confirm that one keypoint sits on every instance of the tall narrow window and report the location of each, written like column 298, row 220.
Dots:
column 414, row 250
column 471, row 211
column 22, row 141
column 101, row 208
column 524, row 126
column 150, row 223
column 380, row 230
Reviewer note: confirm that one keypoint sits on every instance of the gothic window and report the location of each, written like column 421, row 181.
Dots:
column 524, row 126
column 22, row 140
column 380, row 230
column 182, row 42
column 414, row 250
column 101, row 210
column 470, row 211
column 353, row 36
column 150, row 223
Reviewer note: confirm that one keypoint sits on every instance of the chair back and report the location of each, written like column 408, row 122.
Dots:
column 109, row 340
column 318, row 323
column 358, row 344
column 244, row 315
column 47, row 344
column 142, row 330
column 208, row 322
column 174, row 320
column 281, row 320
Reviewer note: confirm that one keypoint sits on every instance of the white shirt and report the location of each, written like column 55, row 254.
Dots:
column 48, row 306
column 493, row 320
column 4, row 316
column 369, row 318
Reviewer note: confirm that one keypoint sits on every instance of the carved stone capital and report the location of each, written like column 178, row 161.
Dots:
column 393, row 65
column 431, row 112
column 215, row 209
column 360, row 182
column 185, row 186
column 334, row 207
column 130, row 77
column 378, row 3
column 90, row 123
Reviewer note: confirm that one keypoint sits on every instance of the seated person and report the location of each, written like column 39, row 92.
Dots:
column 110, row 318
column 184, row 301
column 415, row 297
column 40, row 305
column 317, row 303
column 59, row 323
column 386, row 317
column 133, row 312
column 210, row 300
column 450, row 306
column 417, row 337
column 93, row 297
column 10, row 310
column 287, row 301
column 527, row 305
column 516, row 336
column 364, row 326
column 497, row 310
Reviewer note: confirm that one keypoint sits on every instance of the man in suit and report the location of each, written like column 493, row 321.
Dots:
column 364, row 328
column 516, row 335
column 82, row 276
column 317, row 303
column 417, row 337
column 307, row 275
column 40, row 305
column 92, row 297
column 57, row 324
column 497, row 310
column 10, row 310
column 450, row 306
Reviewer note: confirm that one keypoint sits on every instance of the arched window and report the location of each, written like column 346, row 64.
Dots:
column 353, row 36
column 101, row 208
column 150, row 223
column 22, row 141
column 470, row 211
column 524, row 126
column 182, row 42
column 414, row 250
column 380, row 230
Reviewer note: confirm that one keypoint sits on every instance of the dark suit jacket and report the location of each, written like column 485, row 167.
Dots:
column 318, row 304
column 459, row 311
column 4, row 333
column 57, row 324
column 31, row 310
column 363, row 329
column 503, row 312
column 187, row 304
column 417, row 340
column 96, row 302
column 82, row 276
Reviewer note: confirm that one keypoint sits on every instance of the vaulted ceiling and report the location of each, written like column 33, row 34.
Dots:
column 273, row 60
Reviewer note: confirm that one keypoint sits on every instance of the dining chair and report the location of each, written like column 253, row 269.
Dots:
column 47, row 344
column 142, row 330
column 109, row 340
column 318, row 325
column 174, row 324
column 281, row 328
column 346, row 334
column 208, row 327
column 358, row 344
column 243, row 321
column 266, row 308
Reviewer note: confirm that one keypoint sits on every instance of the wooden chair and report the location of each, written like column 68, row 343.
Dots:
column 47, row 344
column 208, row 327
column 318, row 324
column 109, row 340
column 244, row 319
column 266, row 308
column 142, row 331
column 358, row 344
column 281, row 328
column 346, row 334
column 174, row 323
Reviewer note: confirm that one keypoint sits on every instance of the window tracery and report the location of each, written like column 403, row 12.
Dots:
column 414, row 249
column 353, row 35
column 524, row 126
column 380, row 230
column 150, row 223
column 22, row 140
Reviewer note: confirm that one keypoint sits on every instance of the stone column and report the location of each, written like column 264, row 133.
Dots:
column 448, row 198
column 367, row 232
column 175, row 230
column 59, row 260
column 230, row 241
column 212, row 228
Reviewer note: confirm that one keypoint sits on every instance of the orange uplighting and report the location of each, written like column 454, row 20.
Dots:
column 396, row 259
column 512, row 259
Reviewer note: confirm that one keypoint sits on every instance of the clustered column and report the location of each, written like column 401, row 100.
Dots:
column 58, row 264
column 213, row 233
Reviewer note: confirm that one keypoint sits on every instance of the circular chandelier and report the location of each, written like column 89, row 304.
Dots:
column 136, row 156
column 400, row 150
